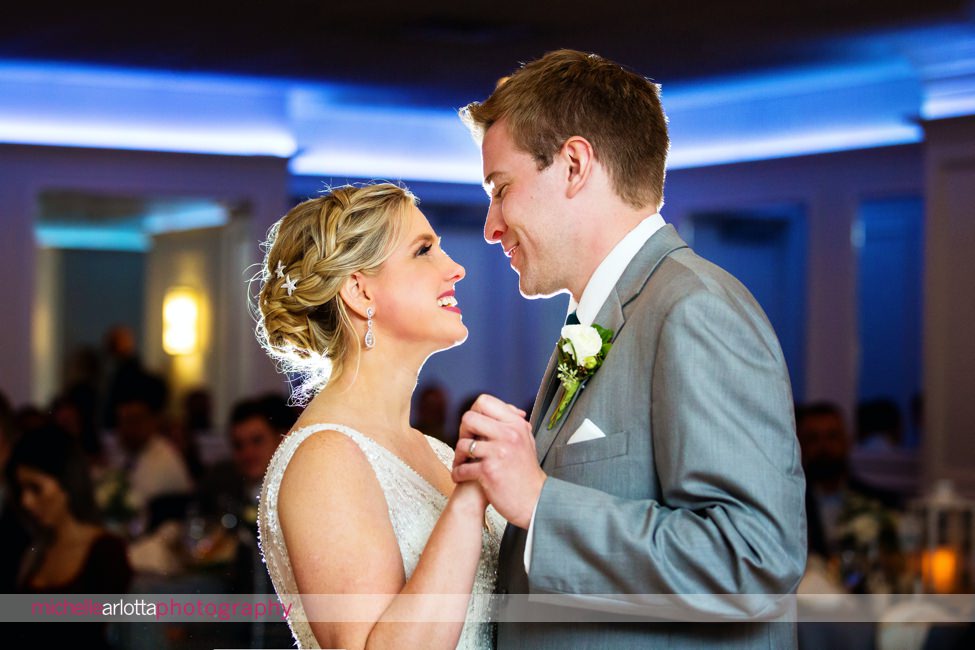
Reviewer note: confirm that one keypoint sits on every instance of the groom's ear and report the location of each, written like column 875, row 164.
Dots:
column 578, row 155
column 356, row 293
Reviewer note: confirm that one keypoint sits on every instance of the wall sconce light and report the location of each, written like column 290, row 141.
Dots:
column 181, row 321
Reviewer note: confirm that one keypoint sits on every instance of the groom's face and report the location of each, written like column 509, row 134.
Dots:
column 524, row 216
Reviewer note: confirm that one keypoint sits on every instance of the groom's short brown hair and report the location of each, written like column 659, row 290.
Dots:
column 567, row 93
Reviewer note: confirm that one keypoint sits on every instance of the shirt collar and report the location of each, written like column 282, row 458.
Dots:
column 610, row 270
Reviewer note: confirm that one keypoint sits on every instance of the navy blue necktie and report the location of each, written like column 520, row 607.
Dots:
column 572, row 319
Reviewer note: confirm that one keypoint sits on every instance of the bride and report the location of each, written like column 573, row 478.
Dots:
column 358, row 512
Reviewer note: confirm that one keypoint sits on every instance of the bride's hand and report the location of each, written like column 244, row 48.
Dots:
column 471, row 494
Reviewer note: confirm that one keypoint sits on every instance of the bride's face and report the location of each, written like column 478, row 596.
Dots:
column 414, row 290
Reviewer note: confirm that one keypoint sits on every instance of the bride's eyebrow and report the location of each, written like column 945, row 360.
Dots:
column 427, row 237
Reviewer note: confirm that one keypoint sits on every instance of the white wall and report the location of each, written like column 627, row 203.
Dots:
column 830, row 187
column 47, row 327
column 949, row 310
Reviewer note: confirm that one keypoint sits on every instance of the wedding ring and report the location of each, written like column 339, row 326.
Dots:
column 470, row 451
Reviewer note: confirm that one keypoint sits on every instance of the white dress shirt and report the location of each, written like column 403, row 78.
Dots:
column 603, row 279
column 158, row 469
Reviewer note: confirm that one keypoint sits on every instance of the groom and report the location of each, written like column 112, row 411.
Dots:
column 675, row 472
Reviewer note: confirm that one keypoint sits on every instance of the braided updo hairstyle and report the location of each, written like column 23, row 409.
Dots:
column 319, row 244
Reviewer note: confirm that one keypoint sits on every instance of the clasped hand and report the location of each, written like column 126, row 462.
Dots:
column 496, row 448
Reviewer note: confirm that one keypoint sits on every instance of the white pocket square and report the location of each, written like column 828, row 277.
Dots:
column 586, row 431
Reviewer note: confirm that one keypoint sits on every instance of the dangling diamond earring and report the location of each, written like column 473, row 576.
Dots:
column 370, row 339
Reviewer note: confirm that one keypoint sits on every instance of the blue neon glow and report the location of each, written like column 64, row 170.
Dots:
column 938, row 108
column 148, row 137
column 381, row 141
column 811, row 82
column 951, row 86
column 82, row 106
column 172, row 216
column 378, row 165
column 130, row 233
column 793, row 113
column 91, row 238
column 732, row 151
column 873, row 98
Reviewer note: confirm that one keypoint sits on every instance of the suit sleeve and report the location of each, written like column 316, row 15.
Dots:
column 731, row 516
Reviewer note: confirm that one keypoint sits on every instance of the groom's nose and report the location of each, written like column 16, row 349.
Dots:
column 494, row 227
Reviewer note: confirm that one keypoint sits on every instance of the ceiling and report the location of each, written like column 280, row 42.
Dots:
column 441, row 53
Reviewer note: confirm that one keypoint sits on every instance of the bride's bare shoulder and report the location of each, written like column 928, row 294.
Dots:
column 326, row 465
column 334, row 520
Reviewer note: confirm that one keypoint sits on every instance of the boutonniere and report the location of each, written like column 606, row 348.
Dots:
column 582, row 349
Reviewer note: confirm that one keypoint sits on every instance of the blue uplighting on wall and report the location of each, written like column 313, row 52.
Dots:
column 133, row 232
column 814, row 83
column 108, row 238
column 797, row 144
column 876, row 96
column 84, row 106
column 175, row 215
column 147, row 137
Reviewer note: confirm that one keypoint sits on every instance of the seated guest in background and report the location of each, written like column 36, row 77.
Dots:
column 229, row 493
column 465, row 405
column 13, row 534
column 30, row 418
column 124, row 368
column 82, row 389
column 70, row 552
column 186, row 432
column 881, row 457
column 73, row 411
column 840, row 508
column 152, row 466
column 256, row 428
column 430, row 414
column 203, row 446
column 879, row 425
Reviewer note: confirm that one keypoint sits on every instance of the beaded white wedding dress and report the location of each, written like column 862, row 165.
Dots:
column 414, row 507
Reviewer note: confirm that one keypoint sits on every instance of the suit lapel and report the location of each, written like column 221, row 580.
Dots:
column 545, row 391
column 611, row 316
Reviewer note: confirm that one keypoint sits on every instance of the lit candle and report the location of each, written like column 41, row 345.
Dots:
column 940, row 568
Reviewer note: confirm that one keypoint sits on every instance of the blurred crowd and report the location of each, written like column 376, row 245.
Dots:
column 109, row 489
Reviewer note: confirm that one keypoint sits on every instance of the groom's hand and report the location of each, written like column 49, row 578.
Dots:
column 504, row 460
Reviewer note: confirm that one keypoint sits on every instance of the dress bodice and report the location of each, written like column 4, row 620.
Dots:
column 414, row 505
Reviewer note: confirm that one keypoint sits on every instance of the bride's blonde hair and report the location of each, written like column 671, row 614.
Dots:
column 319, row 244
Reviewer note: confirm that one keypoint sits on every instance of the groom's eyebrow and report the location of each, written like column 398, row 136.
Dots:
column 488, row 183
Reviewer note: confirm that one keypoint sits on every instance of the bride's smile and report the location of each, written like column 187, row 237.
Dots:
column 448, row 301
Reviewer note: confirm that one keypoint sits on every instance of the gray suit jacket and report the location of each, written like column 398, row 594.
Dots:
column 697, row 487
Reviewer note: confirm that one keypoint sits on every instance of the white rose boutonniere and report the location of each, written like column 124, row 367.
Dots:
column 582, row 349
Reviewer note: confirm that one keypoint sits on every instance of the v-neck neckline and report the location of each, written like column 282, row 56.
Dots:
column 326, row 426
